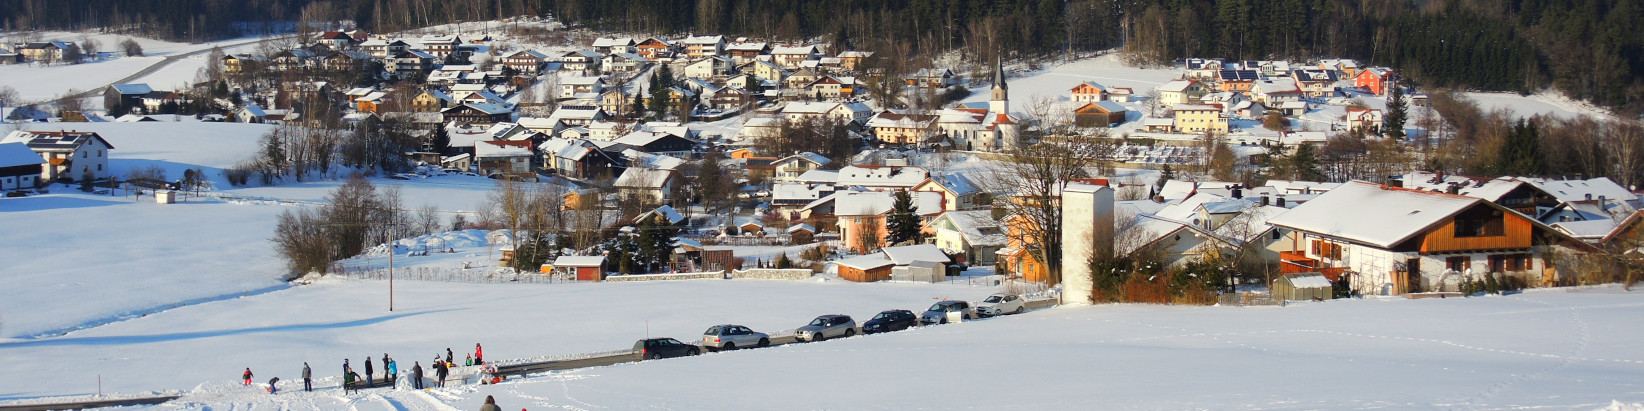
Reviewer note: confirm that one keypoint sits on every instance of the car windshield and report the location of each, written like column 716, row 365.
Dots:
column 819, row 321
column 937, row 307
column 712, row 331
column 993, row 299
column 671, row 341
column 884, row 316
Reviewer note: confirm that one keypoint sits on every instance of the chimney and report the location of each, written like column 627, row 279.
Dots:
column 1589, row 196
column 1279, row 202
column 1453, row 189
column 1265, row 200
column 1603, row 205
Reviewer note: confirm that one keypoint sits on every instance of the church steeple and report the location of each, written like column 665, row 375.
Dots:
column 1000, row 103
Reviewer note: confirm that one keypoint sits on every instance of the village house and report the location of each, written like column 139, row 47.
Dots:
column 791, row 167
column 609, row 45
column 860, row 215
column 1377, row 80
column 1236, row 81
column 792, row 56
column 851, row 59
column 1315, row 83
column 1404, row 240
column 526, row 61
column 744, row 53
column 441, row 45
column 894, row 128
column 411, row 64
column 651, row 185
column 1200, row 118
column 20, row 167
column 972, row 237
column 623, row 63
column 1367, row 120
column 1180, row 92
column 69, row 155
column 382, row 49
column 841, row 112
column 704, row 46
column 654, row 48
column 127, row 95
column 710, row 67
column 241, row 63
column 1100, row 114
column 1275, row 92
column 586, row 61
column 477, row 113
column 1088, row 92
column 958, row 191
column 505, row 158
column 580, row 159
column 431, row 100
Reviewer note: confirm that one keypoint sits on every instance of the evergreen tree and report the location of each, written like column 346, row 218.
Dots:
column 903, row 222
column 1305, row 163
column 784, row 261
column 1392, row 123
column 639, row 106
column 1165, row 175
column 1519, row 154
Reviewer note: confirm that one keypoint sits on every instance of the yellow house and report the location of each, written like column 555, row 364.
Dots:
column 1015, row 259
column 1199, row 118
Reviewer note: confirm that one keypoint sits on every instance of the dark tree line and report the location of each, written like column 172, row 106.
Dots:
column 1587, row 48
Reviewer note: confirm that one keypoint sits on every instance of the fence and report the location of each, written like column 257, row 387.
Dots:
column 488, row 275
column 1246, row 299
column 666, row 277
column 774, row 273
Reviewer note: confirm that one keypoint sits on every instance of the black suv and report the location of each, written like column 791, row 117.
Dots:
column 657, row 348
column 890, row 320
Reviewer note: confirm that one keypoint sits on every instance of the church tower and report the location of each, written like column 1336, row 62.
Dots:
column 1000, row 103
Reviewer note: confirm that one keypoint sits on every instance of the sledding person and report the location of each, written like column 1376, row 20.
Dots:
column 367, row 371
column 449, row 356
column 479, row 355
column 308, row 378
column 247, row 376
column 272, row 387
column 350, row 382
column 416, row 375
column 391, row 368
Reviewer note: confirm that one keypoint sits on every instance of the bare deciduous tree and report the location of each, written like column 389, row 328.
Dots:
column 1031, row 179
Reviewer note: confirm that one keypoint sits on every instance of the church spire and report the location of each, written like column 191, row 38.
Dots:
column 1000, row 103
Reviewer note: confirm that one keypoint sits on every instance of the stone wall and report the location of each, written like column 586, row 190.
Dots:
column 774, row 273
column 716, row 275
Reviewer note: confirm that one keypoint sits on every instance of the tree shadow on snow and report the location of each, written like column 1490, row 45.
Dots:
column 156, row 338
column 39, row 203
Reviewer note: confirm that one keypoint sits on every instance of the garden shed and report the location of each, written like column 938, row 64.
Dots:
column 1302, row 286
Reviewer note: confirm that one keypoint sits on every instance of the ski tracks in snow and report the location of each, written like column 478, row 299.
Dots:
column 1582, row 338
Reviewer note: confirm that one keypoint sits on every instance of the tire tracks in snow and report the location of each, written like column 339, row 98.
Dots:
column 144, row 312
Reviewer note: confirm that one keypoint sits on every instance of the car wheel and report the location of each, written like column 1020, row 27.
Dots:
column 654, row 356
column 695, row 352
column 850, row 332
column 944, row 320
column 730, row 346
column 819, row 336
column 1019, row 310
column 764, row 342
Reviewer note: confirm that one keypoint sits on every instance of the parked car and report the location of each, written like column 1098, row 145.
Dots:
column 658, row 348
column 939, row 312
column 730, row 336
column 1000, row 304
column 890, row 320
column 825, row 327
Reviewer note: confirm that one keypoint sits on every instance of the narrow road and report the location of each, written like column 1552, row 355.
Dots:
column 157, row 66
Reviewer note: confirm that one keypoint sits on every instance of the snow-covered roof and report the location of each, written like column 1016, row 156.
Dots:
column 977, row 227
column 880, row 202
column 907, row 254
column 882, row 176
column 132, row 88
column 819, row 176
column 1373, row 214
column 494, row 149
column 1589, row 230
column 1176, row 85
column 649, row 160
column 867, row 262
column 579, row 261
column 641, row 177
column 801, row 227
column 817, row 159
column 666, row 212
column 754, row 46
column 1578, row 190
column 1308, row 281
column 18, row 154
column 704, row 40
column 792, row 193
column 793, row 50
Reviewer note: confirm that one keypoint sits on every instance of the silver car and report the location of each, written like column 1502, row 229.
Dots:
column 941, row 311
column 825, row 327
column 730, row 336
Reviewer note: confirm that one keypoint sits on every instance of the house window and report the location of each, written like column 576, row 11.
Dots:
column 1458, row 264
column 1277, row 234
column 1480, row 222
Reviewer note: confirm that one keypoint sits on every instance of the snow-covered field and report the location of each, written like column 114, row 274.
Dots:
column 37, row 83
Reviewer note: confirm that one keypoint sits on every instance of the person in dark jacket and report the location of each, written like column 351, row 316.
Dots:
column 441, row 371
column 416, row 375
column 347, row 369
column 308, row 378
column 247, row 376
column 367, row 371
column 479, row 355
column 449, row 356
column 490, row 404
column 351, row 382
column 273, row 386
